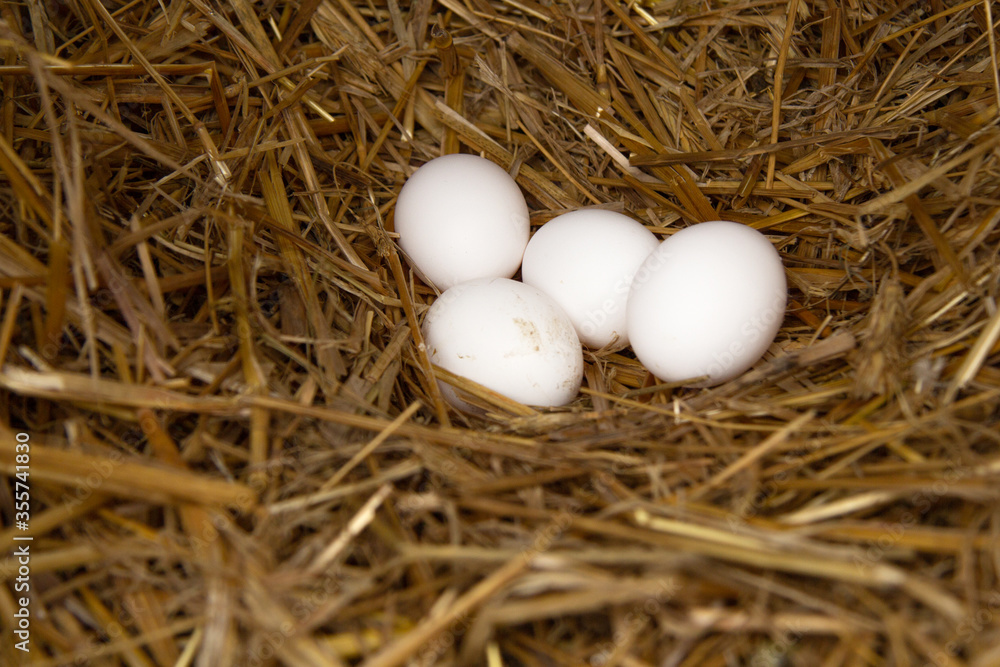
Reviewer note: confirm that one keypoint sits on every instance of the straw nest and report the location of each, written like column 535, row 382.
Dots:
column 238, row 453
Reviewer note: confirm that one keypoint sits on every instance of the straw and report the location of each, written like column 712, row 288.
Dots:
column 238, row 451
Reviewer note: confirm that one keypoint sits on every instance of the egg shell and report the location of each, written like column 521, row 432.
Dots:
column 585, row 261
column 506, row 336
column 461, row 217
column 707, row 302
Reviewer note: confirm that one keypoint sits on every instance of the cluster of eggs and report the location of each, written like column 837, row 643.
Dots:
column 701, row 306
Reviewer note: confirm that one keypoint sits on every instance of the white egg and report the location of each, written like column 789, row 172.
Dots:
column 707, row 302
column 506, row 336
column 585, row 261
column 462, row 217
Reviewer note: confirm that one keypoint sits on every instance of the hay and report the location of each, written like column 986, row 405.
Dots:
column 238, row 451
